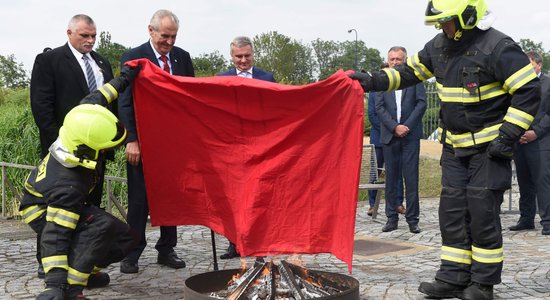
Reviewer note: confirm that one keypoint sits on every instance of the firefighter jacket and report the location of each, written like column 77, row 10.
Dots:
column 485, row 82
column 58, row 190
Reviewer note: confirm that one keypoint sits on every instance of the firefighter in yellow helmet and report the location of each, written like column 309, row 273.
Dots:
column 77, row 239
column 489, row 95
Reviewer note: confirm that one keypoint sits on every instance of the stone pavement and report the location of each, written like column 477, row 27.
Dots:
column 394, row 271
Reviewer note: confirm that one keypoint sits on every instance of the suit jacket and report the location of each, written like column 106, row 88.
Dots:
column 541, row 123
column 413, row 106
column 256, row 74
column 57, row 85
column 181, row 63
column 374, row 122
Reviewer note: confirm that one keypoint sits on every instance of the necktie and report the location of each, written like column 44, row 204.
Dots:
column 245, row 74
column 164, row 59
column 92, row 85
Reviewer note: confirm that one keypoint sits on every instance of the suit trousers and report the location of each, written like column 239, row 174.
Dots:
column 138, row 211
column 402, row 154
column 527, row 161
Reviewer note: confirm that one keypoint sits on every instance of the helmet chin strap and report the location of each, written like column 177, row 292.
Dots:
column 458, row 35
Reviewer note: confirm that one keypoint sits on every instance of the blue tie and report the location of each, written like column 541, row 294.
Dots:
column 90, row 74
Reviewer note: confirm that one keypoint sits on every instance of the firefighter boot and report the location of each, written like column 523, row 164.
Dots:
column 476, row 291
column 440, row 289
column 51, row 293
column 75, row 293
column 98, row 280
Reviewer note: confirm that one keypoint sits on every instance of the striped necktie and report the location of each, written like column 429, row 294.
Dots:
column 166, row 66
column 92, row 85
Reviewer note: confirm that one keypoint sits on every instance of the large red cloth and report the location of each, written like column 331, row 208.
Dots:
column 273, row 167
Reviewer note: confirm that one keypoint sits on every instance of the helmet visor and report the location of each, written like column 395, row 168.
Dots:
column 434, row 16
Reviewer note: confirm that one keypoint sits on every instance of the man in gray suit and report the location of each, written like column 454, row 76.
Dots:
column 400, row 113
column 532, row 159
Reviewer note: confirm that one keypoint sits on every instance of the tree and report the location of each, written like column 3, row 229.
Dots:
column 288, row 59
column 12, row 74
column 210, row 64
column 111, row 51
column 327, row 55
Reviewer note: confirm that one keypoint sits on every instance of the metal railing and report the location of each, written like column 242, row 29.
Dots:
column 112, row 200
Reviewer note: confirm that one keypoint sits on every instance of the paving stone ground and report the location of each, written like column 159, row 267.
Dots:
column 386, row 275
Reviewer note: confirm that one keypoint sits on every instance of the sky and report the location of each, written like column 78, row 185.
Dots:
column 28, row 26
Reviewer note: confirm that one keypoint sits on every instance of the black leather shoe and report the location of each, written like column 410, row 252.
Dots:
column 98, row 280
column 390, row 226
column 128, row 266
column 414, row 229
column 476, row 291
column 546, row 230
column 231, row 252
column 440, row 289
column 171, row 260
column 40, row 272
column 522, row 226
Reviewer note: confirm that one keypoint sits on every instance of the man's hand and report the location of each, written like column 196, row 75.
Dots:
column 401, row 130
column 133, row 154
column 528, row 136
column 365, row 79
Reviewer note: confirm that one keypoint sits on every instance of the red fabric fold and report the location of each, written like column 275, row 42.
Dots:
column 274, row 168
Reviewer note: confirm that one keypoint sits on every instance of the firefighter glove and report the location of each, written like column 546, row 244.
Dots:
column 365, row 79
column 129, row 73
column 501, row 147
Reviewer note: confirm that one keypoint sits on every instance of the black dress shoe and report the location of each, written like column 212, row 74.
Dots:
column 128, row 266
column 98, row 280
column 414, row 229
column 390, row 226
column 440, row 289
column 171, row 260
column 40, row 272
column 522, row 226
column 546, row 230
column 231, row 252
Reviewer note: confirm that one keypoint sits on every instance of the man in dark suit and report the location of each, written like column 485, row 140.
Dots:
column 400, row 114
column 242, row 56
column 60, row 79
column 160, row 50
column 532, row 159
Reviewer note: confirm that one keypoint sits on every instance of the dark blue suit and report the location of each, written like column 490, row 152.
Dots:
column 533, row 164
column 402, row 153
column 138, row 209
column 375, row 140
column 256, row 74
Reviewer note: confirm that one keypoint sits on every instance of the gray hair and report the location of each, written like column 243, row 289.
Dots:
column 240, row 42
column 161, row 14
column 398, row 48
column 77, row 18
column 534, row 56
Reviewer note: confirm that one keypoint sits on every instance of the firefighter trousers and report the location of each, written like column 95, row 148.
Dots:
column 99, row 239
column 469, row 220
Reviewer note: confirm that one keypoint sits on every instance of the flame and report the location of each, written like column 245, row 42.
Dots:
column 234, row 277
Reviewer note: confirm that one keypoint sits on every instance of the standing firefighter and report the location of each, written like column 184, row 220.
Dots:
column 489, row 95
column 77, row 238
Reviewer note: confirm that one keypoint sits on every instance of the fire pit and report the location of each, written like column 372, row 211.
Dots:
column 267, row 281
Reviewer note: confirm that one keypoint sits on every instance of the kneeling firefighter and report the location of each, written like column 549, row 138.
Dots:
column 78, row 239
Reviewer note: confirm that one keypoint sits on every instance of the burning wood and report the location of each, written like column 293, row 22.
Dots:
column 267, row 281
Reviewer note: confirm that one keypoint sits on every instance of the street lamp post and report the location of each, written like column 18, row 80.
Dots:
column 349, row 31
